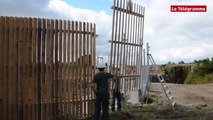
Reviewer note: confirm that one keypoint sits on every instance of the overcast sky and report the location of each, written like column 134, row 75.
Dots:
column 172, row 36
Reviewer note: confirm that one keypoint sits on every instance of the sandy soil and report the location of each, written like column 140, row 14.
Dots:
column 187, row 95
column 193, row 101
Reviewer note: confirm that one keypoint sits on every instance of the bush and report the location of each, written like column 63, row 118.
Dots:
column 203, row 73
column 199, row 79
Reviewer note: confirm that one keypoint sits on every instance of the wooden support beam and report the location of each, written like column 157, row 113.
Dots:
column 125, row 43
column 127, row 11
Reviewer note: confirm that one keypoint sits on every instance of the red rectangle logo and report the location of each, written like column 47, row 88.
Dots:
column 188, row 8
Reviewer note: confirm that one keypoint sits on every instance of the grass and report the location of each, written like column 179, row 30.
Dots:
column 134, row 112
column 196, row 79
column 159, row 112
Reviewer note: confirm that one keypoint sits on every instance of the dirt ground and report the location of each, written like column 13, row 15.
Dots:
column 193, row 101
column 187, row 95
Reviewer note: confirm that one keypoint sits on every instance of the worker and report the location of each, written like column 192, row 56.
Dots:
column 101, row 88
column 116, row 94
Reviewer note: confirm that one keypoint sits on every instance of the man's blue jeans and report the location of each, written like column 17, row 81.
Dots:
column 102, row 101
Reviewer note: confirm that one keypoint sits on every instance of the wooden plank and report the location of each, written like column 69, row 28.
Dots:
column 66, row 31
column 115, row 35
column 30, row 61
column 125, row 43
column 128, row 47
column 73, row 70
column 128, row 11
column 25, row 77
column 56, row 73
column 6, row 68
column 94, row 55
column 84, row 68
column 3, row 80
column 125, row 48
column 52, row 42
column 48, row 69
column 80, row 71
column 133, row 48
column 88, row 65
column 91, row 93
column 69, row 92
column 20, row 69
column 141, row 31
column 34, row 69
column 77, row 71
column 15, row 69
column 64, row 70
column 43, row 69
column 125, row 36
column 112, row 38
column 119, row 37
column 45, row 64
column 137, row 62
column 88, row 69
column 137, row 50
column 123, row 39
column 16, row 37
column 60, row 70
column 10, row 68
column 92, row 68
column 1, row 65
column 39, row 69
column 29, row 69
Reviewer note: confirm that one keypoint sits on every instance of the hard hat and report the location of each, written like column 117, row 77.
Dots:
column 101, row 65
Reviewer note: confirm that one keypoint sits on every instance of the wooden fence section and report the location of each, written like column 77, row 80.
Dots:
column 45, row 69
column 127, row 42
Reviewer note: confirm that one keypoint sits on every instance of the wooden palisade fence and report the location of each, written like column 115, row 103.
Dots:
column 45, row 69
column 127, row 42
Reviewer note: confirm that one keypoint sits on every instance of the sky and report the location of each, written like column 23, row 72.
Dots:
column 172, row 36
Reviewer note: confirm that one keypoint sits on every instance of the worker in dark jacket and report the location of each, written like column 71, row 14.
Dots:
column 101, row 89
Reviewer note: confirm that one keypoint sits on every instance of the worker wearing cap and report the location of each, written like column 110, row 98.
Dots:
column 101, row 88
